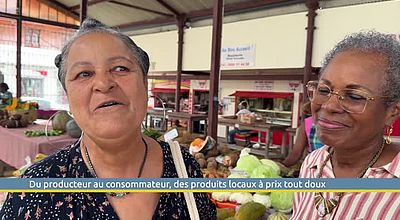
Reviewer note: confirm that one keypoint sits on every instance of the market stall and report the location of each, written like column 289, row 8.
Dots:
column 167, row 95
column 157, row 119
column 200, row 101
column 277, row 107
column 23, row 136
column 15, row 146
column 259, row 126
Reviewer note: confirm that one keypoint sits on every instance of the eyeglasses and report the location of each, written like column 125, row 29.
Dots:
column 351, row 100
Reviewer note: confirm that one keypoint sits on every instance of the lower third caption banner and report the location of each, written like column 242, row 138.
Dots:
column 196, row 185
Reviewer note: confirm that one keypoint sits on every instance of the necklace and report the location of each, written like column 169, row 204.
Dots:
column 326, row 206
column 93, row 171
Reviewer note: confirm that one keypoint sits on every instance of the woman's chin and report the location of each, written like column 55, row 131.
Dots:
column 109, row 134
column 112, row 131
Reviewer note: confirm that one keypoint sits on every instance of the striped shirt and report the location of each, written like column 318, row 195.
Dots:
column 352, row 206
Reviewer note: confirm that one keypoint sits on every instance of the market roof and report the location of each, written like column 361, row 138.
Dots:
column 146, row 16
column 131, row 15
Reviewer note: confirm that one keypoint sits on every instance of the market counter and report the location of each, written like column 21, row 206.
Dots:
column 260, row 127
column 170, row 116
column 15, row 146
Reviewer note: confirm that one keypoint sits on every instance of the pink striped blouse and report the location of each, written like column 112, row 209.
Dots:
column 352, row 206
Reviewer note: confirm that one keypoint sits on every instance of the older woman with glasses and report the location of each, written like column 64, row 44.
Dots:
column 356, row 100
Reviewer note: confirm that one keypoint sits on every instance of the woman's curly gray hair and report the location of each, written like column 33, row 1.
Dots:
column 93, row 26
column 374, row 42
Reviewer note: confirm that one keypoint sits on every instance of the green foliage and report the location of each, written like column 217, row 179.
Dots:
column 152, row 133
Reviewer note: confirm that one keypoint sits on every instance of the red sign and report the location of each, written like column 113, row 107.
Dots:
column 42, row 72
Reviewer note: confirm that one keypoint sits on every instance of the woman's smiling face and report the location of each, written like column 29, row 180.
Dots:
column 105, row 86
column 351, row 70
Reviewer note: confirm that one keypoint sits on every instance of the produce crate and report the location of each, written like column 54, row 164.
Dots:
column 247, row 118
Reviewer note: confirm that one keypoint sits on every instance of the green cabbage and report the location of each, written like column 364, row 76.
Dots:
column 272, row 164
column 263, row 171
column 248, row 163
column 278, row 216
column 262, row 199
column 282, row 201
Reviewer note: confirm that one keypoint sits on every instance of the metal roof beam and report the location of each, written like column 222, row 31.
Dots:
column 83, row 10
column 148, row 23
column 76, row 7
column 169, row 7
column 242, row 6
column 207, row 13
column 142, row 9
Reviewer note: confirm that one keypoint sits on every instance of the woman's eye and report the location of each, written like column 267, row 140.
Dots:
column 323, row 91
column 120, row 69
column 84, row 74
column 355, row 96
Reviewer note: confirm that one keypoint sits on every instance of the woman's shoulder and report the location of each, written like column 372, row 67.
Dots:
column 55, row 165
column 316, row 156
column 393, row 167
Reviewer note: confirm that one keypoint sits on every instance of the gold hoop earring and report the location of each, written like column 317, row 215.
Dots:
column 389, row 132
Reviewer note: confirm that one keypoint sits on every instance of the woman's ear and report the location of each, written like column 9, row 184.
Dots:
column 392, row 114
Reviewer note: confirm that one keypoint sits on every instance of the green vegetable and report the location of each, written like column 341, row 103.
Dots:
column 250, row 211
column 248, row 163
column 225, row 213
column 271, row 164
column 282, row 201
column 262, row 199
column 60, row 120
column 278, row 216
column 152, row 133
column 36, row 133
column 264, row 171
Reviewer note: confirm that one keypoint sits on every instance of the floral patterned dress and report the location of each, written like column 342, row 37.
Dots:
column 69, row 163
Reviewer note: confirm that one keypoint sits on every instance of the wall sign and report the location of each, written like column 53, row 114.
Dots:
column 240, row 56
column 264, row 85
column 294, row 86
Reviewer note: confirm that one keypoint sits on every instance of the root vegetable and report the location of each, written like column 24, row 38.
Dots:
column 210, row 159
column 212, row 165
column 198, row 155
column 202, row 162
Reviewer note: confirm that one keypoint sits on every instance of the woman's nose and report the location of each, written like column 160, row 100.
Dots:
column 332, row 104
column 103, row 81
